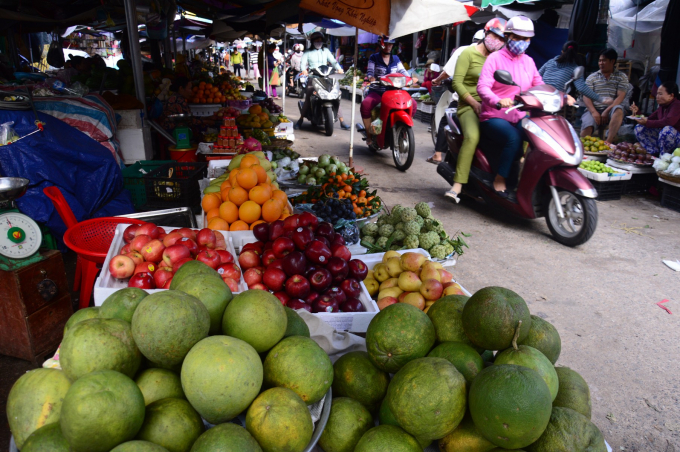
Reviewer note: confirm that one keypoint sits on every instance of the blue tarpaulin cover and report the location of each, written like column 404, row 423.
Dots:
column 84, row 170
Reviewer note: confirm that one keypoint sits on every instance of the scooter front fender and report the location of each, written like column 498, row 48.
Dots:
column 570, row 179
column 400, row 116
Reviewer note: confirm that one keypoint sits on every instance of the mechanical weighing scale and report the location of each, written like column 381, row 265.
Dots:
column 20, row 236
column 182, row 131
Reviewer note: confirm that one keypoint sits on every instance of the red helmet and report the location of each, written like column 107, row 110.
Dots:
column 496, row 26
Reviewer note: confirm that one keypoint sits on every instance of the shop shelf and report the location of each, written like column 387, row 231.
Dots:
column 670, row 196
column 175, row 185
column 133, row 179
column 608, row 191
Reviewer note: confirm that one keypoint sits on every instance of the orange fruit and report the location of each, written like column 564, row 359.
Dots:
column 224, row 194
column 280, row 196
column 255, row 223
column 249, row 160
column 228, row 211
column 210, row 201
column 249, row 211
column 271, row 210
column 237, row 195
column 232, row 177
column 261, row 173
column 246, row 178
column 239, row 226
column 259, row 194
column 218, row 224
column 284, row 216
column 212, row 213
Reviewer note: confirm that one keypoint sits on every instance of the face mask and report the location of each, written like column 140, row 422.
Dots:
column 517, row 47
column 318, row 45
column 493, row 44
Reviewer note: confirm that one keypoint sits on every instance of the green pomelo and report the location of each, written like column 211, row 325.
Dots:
column 298, row 363
column 280, row 421
column 101, row 410
column 500, row 449
column 157, row 384
column 385, row 415
column 212, row 292
column 35, row 400
column 47, row 438
column 463, row 357
column 387, row 438
column 80, row 315
column 296, row 325
column 167, row 324
column 574, row 392
column 139, row 446
column 221, row 376
column 99, row 344
column 355, row 376
column 189, row 270
column 543, row 336
column 226, row 438
column 398, row 334
column 465, row 438
column 491, row 316
column 447, row 317
column 347, row 423
column 533, row 359
column 171, row 423
column 510, row 405
column 569, row 431
column 257, row 317
column 428, row 397
column 122, row 304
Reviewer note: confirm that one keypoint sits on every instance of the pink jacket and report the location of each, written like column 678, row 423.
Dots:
column 524, row 73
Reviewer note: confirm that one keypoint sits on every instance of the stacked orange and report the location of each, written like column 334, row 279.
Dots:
column 245, row 199
column 206, row 93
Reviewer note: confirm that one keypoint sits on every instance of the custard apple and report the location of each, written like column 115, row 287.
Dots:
column 434, row 225
column 382, row 219
column 412, row 228
column 423, row 209
column 385, row 230
column 408, row 214
column 426, row 241
column 369, row 230
column 398, row 235
column 438, row 252
column 394, row 247
column 411, row 242
column 449, row 248
column 368, row 239
column 399, row 226
column 420, row 221
column 381, row 242
column 396, row 210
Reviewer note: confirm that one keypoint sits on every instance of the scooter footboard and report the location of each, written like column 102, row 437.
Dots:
column 572, row 180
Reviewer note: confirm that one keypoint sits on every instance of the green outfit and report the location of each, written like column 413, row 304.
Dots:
column 465, row 78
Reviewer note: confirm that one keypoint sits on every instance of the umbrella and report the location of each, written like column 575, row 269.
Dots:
column 486, row 3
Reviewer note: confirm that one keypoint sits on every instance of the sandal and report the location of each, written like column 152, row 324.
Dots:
column 452, row 195
column 433, row 160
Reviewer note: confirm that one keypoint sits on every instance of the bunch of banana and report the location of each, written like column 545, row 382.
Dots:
column 214, row 186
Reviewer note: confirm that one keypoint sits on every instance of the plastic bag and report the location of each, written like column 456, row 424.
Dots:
column 660, row 165
column 676, row 172
column 672, row 167
column 376, row 127
column 55, row 55
column 7, row 134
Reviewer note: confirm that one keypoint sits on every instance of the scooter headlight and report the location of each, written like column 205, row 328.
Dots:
column 569, row 159
column 551, row 101
column 398, row 82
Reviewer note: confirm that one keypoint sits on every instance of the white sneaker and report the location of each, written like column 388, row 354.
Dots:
column 452, row 195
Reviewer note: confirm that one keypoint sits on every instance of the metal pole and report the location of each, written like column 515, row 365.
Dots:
column 445, row 50
column 135, row 53
column 414, row 51
column 174, row 41
column 285, row 83
column 184, row 44
column 459, row 32
column 354, row 95
column 167, row 52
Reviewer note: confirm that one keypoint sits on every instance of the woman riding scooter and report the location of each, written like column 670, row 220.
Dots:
column 380, row 64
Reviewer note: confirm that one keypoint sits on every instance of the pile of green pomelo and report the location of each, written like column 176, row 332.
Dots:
column 151, row 373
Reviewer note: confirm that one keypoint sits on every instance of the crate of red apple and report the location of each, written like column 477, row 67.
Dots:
column 307, row 265
column 147, row 257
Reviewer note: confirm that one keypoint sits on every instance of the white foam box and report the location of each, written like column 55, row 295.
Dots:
column 606, row 177
column 106, row 285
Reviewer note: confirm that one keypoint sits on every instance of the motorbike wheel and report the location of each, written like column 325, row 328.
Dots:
column 580, row 220
column 328, row 120
column 403, row 146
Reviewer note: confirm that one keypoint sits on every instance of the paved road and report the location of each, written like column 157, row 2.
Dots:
column 601, row 296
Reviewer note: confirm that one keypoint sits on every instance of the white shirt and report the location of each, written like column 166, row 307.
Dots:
column 450, row 67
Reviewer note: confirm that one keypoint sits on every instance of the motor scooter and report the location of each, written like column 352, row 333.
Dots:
column 325, row 101
column 439, row 116
column 299, row 82
column 547, row 181
column 394, row 111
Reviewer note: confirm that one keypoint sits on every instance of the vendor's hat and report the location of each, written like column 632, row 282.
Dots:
column 520, row 26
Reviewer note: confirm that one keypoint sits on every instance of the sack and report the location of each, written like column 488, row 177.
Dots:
column 274, row 80
column 55, row 55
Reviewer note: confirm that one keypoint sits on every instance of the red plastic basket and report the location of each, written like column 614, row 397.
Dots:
column 91, row 239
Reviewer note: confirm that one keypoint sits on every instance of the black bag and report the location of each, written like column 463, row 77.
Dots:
column 55, row 55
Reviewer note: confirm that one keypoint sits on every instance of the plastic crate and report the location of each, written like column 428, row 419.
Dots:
column 640, row 183
column 426, row 117
column 608, row 191
column 175, row 185
column 670, row 196
column 133, row 179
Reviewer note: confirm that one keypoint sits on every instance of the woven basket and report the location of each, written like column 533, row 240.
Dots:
column 668, row 177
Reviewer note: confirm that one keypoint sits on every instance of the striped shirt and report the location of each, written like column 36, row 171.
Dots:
column 557, row 74
column 618, row 81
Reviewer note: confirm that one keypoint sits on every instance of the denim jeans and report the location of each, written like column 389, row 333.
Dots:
column 506, row 136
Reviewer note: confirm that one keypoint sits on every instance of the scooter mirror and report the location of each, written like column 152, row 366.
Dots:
column 503, row 77
column 341, row 58
column 578, row 72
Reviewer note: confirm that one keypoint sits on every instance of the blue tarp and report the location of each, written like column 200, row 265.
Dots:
column 84, row 171
column 547, row 43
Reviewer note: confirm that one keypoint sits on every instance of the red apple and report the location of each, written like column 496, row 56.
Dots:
column 351, row 287
column 258, row 247
column 171, row 238
column 337, row 294
column 187, row 233
column 177, row 265
column 338, row 240
column 431, row 289
column 261, row 232
column 267, row 245
column 129, row 233
column 278, row 263
column 207, row 238
column 229, row 271
column 338, row 268
column 190, row 244
column 252, row 276
column 357, row 269
column 258, row 286
column 308, row 220
column 311, row 298
column 163, row 266
column 125, row 249
column 318, row 252
column 302, row 237
column 149, row 229
column 142, row 281
column 136, row 257
column 161, row 277
column 121, row 267
column 326, row 230
column 352, row 305
column 283, row 246
column 145, row 267
column 275, row 230
column 311, row 268
column 320, row 279
column 282, row 296
column 162, row 234
column 225, row 257
column 291, row 223
column 297, row 286
column 167, row 284
column 294, row 263
column 296, row 304
column 325, row 303
column 268, row 257
column 341, row 251
column 274, row 279
column 153, row 251
column 249, row 259
column 324, row 240
column 139, row 241
column 233, row 285
column 175, row 253
column 209, row 258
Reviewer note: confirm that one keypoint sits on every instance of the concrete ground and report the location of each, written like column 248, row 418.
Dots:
column 600, row 296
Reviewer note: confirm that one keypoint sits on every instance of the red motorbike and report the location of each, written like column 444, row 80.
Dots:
column 397, row 123
column 547, row 180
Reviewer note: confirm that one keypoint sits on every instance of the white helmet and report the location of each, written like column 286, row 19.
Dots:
column 520, row 26
column 478, row 36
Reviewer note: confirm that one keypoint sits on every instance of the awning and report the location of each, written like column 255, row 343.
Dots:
column 486, row 3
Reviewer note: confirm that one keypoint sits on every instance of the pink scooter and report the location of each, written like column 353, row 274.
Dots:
column 547, row 181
